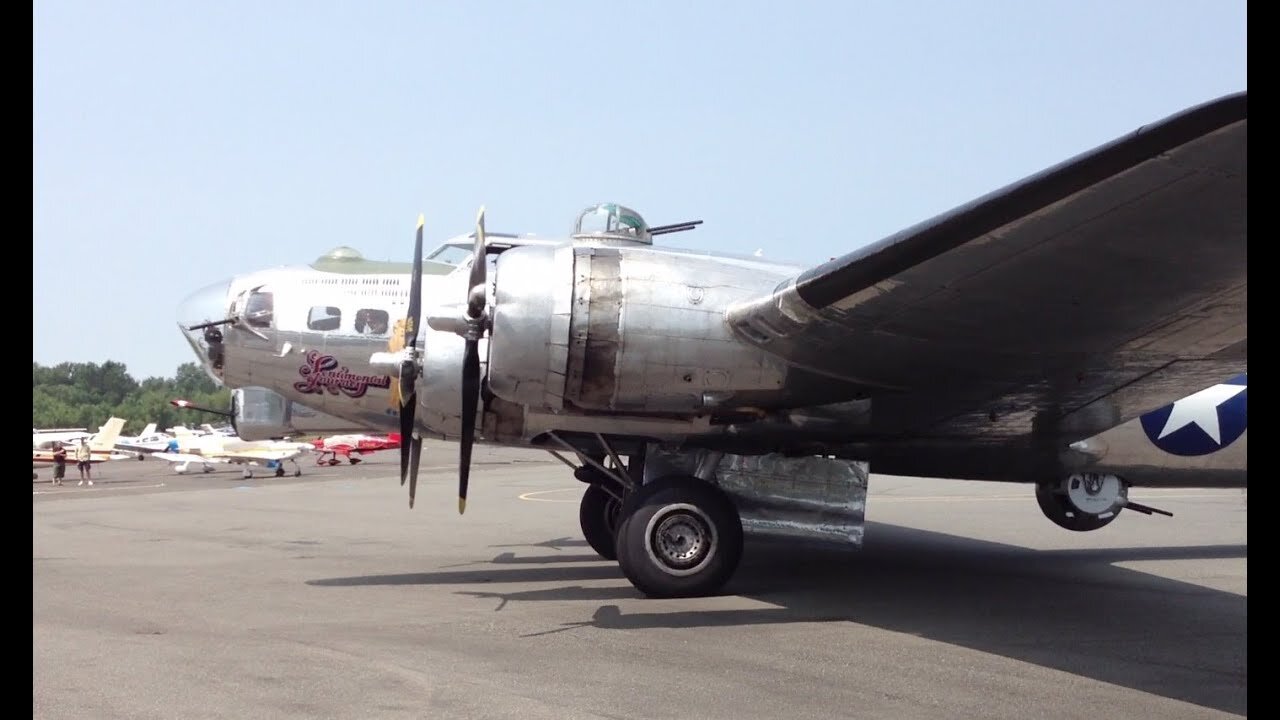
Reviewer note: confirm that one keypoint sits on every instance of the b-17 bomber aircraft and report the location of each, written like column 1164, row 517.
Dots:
column 1083, row 330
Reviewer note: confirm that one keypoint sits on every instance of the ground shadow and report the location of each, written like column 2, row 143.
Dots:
column 1070, row 610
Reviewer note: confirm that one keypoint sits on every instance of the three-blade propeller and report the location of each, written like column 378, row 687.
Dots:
column 476, row 322
column 471, row 327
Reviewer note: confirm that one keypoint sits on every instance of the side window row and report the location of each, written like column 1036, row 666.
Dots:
column 367, row 321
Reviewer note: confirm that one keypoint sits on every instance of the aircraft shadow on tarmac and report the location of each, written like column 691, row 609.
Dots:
column 1069, row 610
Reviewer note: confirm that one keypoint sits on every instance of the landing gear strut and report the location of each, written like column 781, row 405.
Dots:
column 609, row 481
column 297, row 470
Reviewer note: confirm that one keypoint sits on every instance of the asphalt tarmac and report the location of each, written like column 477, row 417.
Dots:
column 324, row 596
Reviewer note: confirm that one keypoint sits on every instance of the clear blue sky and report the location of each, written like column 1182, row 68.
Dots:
column 178, row 143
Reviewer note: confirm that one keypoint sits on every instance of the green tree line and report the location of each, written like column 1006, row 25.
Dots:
column 88, row 394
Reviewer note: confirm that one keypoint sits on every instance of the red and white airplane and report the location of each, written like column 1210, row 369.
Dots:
column 345, row 445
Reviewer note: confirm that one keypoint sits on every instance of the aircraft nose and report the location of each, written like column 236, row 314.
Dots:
column 210, row 304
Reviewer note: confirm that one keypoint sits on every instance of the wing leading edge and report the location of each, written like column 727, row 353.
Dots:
column 1059, row 306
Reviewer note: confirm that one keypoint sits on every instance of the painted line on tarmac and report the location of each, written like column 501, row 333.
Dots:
column 96, row 488
column 531, row 496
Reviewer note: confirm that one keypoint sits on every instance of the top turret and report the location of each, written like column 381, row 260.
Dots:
column 610, row 221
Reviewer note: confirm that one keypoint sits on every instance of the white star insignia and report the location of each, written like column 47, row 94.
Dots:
column 1201, row 409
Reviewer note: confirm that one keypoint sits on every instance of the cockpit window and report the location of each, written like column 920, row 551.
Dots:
column 451, row 254
column 324, row 318
column 259, row 309
column 372, row 322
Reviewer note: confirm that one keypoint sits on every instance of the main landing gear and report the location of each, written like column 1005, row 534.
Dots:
column 331, row 459
column 279, row 469
column 181, row 468
column 598, row 514
column 680, row 536
column 675, row 536
column 1088, row 501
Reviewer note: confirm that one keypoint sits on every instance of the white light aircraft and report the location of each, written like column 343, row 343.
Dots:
column 187, row 449
column 101, row 447
column 45, row 438
column 149, row 441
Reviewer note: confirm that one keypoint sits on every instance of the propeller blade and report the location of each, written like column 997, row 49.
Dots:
column 409, row 365
column 415, row 291
column 406, row 430
column 414, row 457
column 476, row 289
column 470, row 391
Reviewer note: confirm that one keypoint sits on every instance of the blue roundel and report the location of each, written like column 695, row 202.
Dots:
column 1202, row 423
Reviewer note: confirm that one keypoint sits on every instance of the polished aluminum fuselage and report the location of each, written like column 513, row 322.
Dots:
column 322, row 370
column 627, row 341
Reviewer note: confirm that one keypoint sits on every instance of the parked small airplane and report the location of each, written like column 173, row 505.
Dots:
column 1084, row 330
column 101, row 447
column 48, row 436
column 145, row 443
column 329, row 448
column 187, row 449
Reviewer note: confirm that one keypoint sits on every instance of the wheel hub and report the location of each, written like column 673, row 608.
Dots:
column 680, row 539
column 612, row 511
column 1096, row 493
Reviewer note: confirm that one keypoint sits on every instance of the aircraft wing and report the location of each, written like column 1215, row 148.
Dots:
column 1054, row 308
column 185, row 458
column 241, row 457
column 262, row 454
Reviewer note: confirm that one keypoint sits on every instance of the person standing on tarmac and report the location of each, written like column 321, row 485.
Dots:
column 59, row 463
column 82, row 461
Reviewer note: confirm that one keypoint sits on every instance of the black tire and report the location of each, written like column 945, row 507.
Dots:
column 704, row 525
column 1057, row 507
column 598, row 514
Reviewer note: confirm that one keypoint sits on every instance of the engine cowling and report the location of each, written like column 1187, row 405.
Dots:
column 623, row 329
column 440, row 385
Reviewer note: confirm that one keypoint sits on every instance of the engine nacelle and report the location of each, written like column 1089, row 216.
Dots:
column 261, row 414
column 440, row 386
column 624, row 329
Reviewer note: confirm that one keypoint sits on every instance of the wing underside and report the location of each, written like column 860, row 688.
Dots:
column 235, row 458
column 1056, row 307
